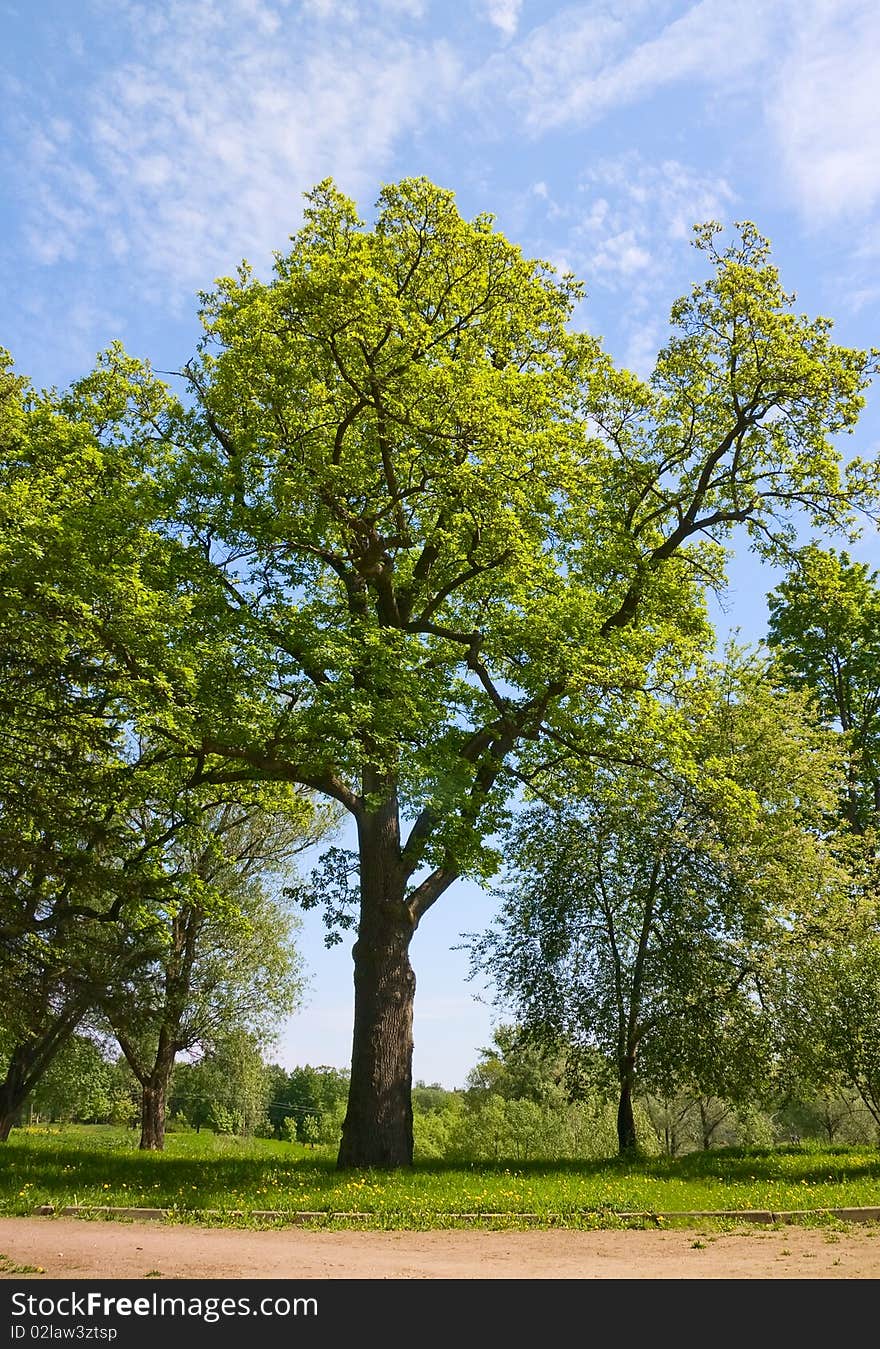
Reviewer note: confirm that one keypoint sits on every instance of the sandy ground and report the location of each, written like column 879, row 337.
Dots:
column 77, row 1248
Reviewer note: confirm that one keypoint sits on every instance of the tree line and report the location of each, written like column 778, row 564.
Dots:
column 401, row 539
column 521, row 1102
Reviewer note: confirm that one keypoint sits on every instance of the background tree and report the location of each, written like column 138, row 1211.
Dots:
column 719, row 1077
column 227, row 1089
column 224, row 958
column 825, row 633
column 517, row 1067
column 55, row 967
column 308, row 1100
column 78, row 1085
column 831, row 1010
column 77, row 486
column 642, row 918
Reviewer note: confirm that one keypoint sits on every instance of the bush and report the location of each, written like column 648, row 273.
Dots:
column 522, row 1130
column 433, row 1132
column 287, row 1129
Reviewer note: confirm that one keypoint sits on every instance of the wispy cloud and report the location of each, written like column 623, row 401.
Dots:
column 196, row 150
column 627, row 231
column 352, row 11
column 588, row 59
column 810, row 68
column 824, row 109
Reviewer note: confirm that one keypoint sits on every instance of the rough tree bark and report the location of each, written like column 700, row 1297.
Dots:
column 13, row 1092
column 154, row 1092
column 154, row 1087
column 377, row 1130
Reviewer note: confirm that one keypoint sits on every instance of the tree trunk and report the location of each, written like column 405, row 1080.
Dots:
column 378, row 1126
column 13, row 1092
column 627, row 1140
column 154, row 1093
column 26, row 1066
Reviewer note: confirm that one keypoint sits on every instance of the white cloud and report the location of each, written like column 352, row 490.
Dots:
column 638, row 214
column 587, row 60
column 626, row 232
column 351, row 11
column 504, row 15
column 810, row 67
column 824, row 109
column 345, row 11
column 200, row 146
column 621, row 254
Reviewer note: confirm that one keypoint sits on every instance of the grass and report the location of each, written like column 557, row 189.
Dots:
column 99, row 1165
column 8, row 1268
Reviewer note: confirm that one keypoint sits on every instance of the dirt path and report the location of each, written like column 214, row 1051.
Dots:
column 76, row 1248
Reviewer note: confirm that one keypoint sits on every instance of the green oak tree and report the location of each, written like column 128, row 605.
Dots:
column 77, row 488
column 423, row 531
column 94, row 821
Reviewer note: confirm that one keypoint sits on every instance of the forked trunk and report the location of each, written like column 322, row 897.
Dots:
column 378, row 1126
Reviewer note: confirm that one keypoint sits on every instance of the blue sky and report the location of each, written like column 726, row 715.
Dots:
column 147, row 147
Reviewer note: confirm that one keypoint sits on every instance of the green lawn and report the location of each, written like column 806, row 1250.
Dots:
column 100, row 1165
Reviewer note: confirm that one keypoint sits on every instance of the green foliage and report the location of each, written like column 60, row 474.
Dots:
column 825, row 634
column 223, row 953
column 227, row 1090
column 308, row 1103
column 833, row 1117
column 519, row 1129
column 830, row 1007
column 445, row 525
column 78, row 1085
column 641, row 919
column 430, row 1097
column 520, row 1066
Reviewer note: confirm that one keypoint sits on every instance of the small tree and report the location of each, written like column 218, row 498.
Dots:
column 830, row 1007
column 310, row 1098
column 78, row 1085
column 78, row 871
column 640, row 919
column 225, row 955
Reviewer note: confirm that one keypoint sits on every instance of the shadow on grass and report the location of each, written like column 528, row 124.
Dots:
column 52, row 1172
column 786, row 1163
